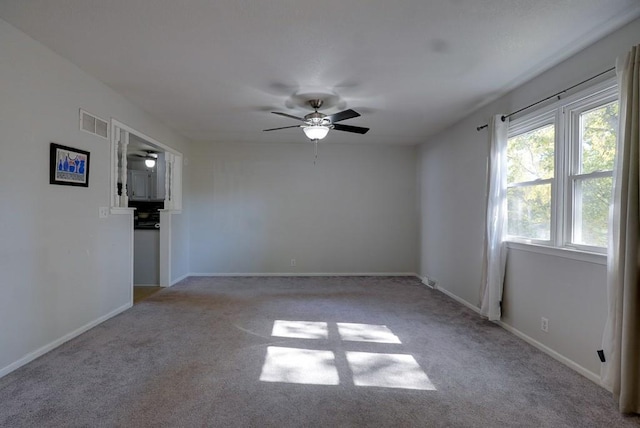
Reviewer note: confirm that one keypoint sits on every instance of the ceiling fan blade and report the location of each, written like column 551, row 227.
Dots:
column 343, row 115
column 288, row 115
column 349, row 128
column 283, row 127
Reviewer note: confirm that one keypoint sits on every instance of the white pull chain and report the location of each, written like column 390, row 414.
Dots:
column 315, row 144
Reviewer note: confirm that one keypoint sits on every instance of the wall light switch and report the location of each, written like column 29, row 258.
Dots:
column 103, row 212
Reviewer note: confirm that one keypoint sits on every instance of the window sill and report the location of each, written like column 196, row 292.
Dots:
column 566, row 253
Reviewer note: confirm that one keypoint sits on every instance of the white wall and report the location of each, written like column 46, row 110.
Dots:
column 180, row 249
column 61, row 267
column 255, row 207
column 570, row 293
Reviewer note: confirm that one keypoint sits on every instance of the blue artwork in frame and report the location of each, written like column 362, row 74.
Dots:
column 68, row 166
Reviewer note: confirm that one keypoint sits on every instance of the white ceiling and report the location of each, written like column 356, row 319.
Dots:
column 213, row 69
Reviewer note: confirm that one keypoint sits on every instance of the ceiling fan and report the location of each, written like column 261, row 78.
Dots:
column 149, row 157
column 316, row 125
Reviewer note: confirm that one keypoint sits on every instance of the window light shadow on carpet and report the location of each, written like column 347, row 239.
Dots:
column 318, row 367
column 300, row 329
column 292, row 365
column 388, row 371
column 366, row 333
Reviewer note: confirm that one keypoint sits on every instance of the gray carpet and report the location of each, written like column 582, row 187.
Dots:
column 196, row 355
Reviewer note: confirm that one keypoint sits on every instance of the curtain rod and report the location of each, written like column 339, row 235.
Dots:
column 549, row 97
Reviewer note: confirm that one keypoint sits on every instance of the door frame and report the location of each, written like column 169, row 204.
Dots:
column 173, row 196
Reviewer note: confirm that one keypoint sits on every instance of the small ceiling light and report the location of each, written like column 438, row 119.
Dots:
column 150, row 163
column 316, row 132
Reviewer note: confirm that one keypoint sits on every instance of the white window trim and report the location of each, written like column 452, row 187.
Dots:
column 559, row 245
column 563, row 252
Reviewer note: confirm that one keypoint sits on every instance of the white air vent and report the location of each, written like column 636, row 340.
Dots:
column 93, row 124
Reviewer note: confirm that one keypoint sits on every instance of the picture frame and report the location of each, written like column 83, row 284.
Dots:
column 68, row 166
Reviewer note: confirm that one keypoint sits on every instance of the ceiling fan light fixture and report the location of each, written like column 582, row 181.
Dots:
column 315, row 132
column 150, row 163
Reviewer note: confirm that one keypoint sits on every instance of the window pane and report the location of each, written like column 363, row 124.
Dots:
column 529, row 211
column 591, row 213
column 598, row 138
column 530, row 155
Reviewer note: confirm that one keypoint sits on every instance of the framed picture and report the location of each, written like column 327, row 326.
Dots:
column 68, row 166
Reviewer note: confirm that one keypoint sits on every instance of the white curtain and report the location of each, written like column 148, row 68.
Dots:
column 621, row 339
column 495, row 253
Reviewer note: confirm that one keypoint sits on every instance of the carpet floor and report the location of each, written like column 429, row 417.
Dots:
column 141, row 293
column 301, row 352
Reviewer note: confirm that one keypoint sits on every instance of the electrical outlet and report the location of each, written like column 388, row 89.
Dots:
column 293, row 262
column 544, row 324
column 103, row 212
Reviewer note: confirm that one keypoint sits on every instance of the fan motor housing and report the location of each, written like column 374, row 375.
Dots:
column 317, row 118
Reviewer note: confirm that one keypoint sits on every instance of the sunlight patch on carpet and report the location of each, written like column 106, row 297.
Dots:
column 318, row 367
column 300, row 329
column 366, row 333
column 388, row 371
column 292, row 365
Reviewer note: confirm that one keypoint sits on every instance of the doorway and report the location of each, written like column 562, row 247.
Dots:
column 146, row 183
column 146, row 191
column 141, row 293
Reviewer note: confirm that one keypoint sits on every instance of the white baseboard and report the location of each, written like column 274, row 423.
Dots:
column 428, row 282
column 180, row 278
column 46, row 348
column 474, row 308
column 304, row 274
column 553, row 354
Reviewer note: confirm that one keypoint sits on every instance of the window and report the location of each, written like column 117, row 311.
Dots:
column 530, row 173
column 560, row 172
column 593, row 133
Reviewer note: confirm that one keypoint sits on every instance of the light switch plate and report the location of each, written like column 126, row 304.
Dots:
column 103, row 212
